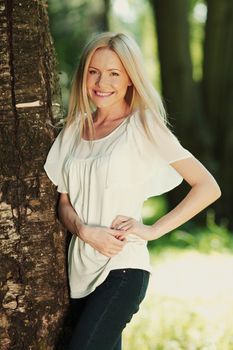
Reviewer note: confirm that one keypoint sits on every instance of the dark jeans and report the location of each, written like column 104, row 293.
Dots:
column 101, row 316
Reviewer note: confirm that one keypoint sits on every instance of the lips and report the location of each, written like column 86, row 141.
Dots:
column 103, row 94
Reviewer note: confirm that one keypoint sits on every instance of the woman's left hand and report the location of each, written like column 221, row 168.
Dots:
column 127, row 225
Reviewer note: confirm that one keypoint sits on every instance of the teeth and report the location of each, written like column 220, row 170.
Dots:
column 103, row 94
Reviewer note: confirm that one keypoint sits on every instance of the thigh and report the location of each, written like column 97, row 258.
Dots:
column 118, row 344
column 108, row 309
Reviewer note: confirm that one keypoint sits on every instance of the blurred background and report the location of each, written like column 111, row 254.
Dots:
column 188, row 51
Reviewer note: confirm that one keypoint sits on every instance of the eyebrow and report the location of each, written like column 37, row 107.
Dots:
column 107, row 69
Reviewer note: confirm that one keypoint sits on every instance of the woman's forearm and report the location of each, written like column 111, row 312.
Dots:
column 100, row 238
column 198, row 198
column 69, row 218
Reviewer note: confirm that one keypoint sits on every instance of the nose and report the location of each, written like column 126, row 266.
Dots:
column 102, row 80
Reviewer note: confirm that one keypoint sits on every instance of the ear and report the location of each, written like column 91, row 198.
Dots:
column 130, row 83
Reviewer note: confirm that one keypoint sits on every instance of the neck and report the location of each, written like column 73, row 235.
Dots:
column 110, row 114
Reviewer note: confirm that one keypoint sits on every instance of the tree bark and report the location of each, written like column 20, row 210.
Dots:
column 33, row 280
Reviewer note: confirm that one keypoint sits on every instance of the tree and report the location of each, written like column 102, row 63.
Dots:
column 202, row 110
column 218, row 95
column 33, row 279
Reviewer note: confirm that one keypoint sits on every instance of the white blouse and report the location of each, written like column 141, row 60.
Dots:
column 107, row 177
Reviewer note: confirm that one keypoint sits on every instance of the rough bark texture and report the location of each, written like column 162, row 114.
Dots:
column 33, row 278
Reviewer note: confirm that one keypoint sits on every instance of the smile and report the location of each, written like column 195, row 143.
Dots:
column 103, row 94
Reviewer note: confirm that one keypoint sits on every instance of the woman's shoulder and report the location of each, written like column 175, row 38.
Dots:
column 147, row 127
column 164, row 142
column 69, row 131
column 149, row 117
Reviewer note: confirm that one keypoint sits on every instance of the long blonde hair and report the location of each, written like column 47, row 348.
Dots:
column 140, row 95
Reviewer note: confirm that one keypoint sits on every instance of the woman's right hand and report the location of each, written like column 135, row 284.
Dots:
column 102, row 239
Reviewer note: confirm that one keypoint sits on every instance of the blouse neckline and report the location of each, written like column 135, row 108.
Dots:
column 112, row 132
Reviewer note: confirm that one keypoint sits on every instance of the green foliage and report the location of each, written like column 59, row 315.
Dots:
column 206, row 239
column 153, row 209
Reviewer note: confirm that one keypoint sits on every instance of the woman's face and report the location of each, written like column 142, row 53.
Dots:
column 107, row 80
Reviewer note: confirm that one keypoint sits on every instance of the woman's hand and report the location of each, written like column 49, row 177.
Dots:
column 102, row 239
column 126, row 225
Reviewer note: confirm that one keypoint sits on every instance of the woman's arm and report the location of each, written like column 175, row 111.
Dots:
column 100, row 238
column 204, row 191
column 68, row 216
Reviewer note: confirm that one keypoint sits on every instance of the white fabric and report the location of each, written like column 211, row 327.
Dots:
column 107, row 177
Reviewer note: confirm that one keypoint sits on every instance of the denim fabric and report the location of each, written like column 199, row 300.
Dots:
column 101, row 316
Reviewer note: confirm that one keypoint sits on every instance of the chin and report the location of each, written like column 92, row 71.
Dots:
column 102, row 104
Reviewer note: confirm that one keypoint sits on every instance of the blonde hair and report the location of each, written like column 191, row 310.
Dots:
column 140, row 95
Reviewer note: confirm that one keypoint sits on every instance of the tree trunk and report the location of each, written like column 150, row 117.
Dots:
column 33, row 275
column 218, row 95
column 179, row 90
column 106, row 11
column 203, row 112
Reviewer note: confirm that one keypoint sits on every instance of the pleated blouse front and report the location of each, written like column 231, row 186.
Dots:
column 107, row 177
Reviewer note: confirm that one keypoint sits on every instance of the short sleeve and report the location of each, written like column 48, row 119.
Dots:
column 57, row 156
column 146, row 164
column 166, row 142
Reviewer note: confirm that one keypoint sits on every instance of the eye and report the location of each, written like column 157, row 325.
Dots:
column 115, row 74
column 92, row 71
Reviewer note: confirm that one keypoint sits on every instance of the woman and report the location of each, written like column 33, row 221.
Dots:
column 114, row 152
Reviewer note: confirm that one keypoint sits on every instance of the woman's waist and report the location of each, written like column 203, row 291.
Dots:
column 132, row 238
column 134, row 245
column 132, row 255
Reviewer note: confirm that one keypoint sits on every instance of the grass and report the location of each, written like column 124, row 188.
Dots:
column 188, row 305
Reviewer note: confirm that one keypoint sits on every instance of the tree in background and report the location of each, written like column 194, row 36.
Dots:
column 202, row 110
column 33, row 277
